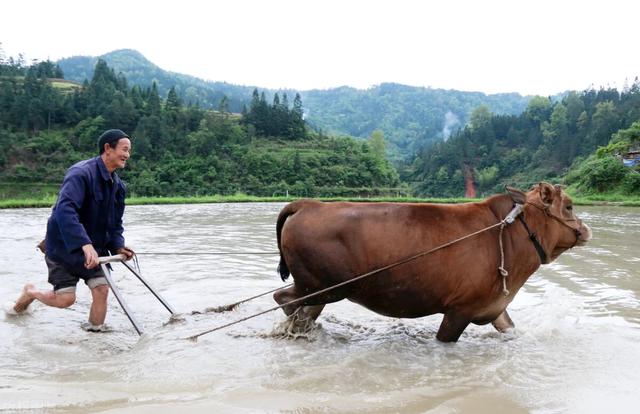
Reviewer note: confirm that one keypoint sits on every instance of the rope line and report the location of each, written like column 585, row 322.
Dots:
column 200, row 253
column 355, row 279
column 232, row 306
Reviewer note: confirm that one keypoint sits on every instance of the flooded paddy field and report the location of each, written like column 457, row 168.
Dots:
column 576, row 347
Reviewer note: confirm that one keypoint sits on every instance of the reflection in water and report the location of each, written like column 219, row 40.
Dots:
column 574, row 350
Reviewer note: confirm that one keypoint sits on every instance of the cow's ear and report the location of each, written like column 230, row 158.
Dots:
column 547, row 193
column 516, row 195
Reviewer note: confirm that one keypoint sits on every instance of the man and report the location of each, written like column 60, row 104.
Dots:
column 85, row 223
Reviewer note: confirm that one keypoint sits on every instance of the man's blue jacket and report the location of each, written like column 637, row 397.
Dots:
column 89, row 210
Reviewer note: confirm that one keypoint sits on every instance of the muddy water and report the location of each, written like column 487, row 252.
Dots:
column 576, row 347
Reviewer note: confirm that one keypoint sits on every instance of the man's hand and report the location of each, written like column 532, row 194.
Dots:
column 126, row 251
column 90, row 256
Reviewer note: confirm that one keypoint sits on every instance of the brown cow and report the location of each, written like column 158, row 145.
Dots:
column 323, row 244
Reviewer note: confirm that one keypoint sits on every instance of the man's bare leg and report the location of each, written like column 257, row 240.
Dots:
column 50, row 298
column 98, row 311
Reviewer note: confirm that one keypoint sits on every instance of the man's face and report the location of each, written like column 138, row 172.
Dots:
column 117, row 157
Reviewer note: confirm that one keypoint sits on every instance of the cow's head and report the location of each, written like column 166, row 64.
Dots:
column 561, row 229
column 565, row 229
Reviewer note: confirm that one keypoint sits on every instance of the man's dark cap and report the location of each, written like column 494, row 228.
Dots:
column 110, row 136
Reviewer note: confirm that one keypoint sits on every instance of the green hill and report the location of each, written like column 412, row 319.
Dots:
column 138, row 70
column 179, row 150
column 588, row 139
column 409, row 116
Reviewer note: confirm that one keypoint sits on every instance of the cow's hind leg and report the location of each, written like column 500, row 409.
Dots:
column 503, row 322
column 452, row 327
column 286, row 295
column 300, row 319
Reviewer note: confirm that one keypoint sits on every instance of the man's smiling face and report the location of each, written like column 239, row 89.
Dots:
column 117, row 157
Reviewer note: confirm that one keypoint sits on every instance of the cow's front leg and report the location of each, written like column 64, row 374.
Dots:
column 503, row 322
column 452, row 326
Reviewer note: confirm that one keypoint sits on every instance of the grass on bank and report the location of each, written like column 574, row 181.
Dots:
column 49, row 200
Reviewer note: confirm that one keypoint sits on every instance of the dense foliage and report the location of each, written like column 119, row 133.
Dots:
column 541, row 143
column 179, row 149
column 603, row 171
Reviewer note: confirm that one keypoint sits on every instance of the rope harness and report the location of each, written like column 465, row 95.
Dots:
column 202, row 253
column 544, row 258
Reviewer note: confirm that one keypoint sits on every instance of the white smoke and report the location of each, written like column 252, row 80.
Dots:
column 450, row 121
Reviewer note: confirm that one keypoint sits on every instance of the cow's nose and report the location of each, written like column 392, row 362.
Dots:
column 585, row 232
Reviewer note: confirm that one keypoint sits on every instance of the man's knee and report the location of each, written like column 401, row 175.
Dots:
column 100, row 292
column 66, row 299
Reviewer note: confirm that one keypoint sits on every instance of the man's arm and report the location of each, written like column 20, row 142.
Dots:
column 67, row 214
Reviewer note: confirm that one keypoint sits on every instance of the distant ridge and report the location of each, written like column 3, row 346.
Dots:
column 410, row 117
column 140, row 71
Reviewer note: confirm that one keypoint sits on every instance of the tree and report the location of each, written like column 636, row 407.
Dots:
column 101, row 88
column 487, row 177
column 223, row 107
column 173, row 102
column 538, row 109
column 601, row 173
column 556, row 134
column 297, row 166
column 277, row 117
column 480, row 117
column 378, row 144
column 121, row 112
column 86, row 133
column 153, row 102
column 604, row 122
column 298, row 129
column 574, row 106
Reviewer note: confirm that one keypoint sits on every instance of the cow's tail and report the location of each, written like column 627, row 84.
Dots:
column 288, row 210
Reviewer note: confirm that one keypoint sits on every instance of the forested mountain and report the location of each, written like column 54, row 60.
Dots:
column 177, row 149
column 140, row 71
column 408, row 116
column 549, row 139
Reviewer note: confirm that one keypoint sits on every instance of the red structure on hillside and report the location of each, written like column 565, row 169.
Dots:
column 469, row 188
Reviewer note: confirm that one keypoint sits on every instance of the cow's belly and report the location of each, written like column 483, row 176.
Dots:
column 480, row 315
column 399, row 302
column 399, row 310
column 399, row 299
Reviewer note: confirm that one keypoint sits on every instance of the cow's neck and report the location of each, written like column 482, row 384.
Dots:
column 537, row 223
column 542, row 254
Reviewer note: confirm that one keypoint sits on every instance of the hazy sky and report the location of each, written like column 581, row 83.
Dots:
column 532, row 47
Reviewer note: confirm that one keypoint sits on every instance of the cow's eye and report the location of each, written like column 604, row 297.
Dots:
column 569, row 208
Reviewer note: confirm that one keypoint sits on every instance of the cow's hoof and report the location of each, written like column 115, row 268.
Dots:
column 295, row 327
